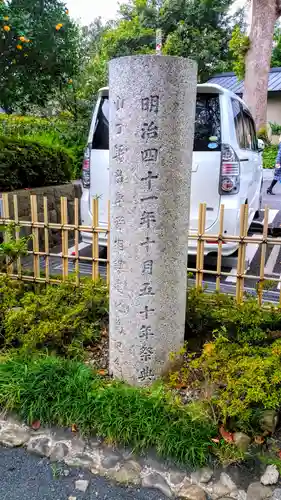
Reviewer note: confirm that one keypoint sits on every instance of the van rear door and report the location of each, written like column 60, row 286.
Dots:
column 99, row 156
column 206, row 163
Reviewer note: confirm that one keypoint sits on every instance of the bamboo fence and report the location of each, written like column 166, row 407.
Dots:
column 39, row 251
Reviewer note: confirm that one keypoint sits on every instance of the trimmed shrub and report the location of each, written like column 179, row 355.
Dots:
column 64, row 319
column 28, row 164
column 269, row 156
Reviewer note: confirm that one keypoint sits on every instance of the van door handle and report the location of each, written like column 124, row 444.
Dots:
column 244, row 159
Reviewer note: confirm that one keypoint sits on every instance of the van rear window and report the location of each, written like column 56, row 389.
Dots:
column 101, row 133
column 207, row 133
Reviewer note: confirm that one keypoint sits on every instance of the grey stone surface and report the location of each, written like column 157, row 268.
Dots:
column 202, row 475
column 158, row 482
column 192, row 492
column 81, row 485
column 269, row 420
column 13, row 435
column 276, row 494
column 129, row 473
column 86, row 460
column 241, row 440
column 270, row 476
column 257, row 491
column 226, row 480
column 41, row 445
column 59, row 451
column 151, row 141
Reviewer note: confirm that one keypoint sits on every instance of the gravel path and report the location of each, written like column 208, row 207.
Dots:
column 27, row 477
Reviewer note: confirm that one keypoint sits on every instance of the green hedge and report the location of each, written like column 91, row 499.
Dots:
column 28, row 164
column 269, row 156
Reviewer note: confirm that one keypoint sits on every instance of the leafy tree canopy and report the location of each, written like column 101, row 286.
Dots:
column 39, row 51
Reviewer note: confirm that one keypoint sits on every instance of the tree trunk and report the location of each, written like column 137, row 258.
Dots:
column 263, row 17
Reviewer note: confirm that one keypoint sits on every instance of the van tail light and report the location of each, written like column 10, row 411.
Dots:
column 86, row 173
column 230, row 171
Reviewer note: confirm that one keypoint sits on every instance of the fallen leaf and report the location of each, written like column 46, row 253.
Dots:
column 215, row 440
column 227, row 436
column 181, row 386
column 259, row 439
column 279, row 453
column 74, row 428
column 36, row 425
column 102, row 372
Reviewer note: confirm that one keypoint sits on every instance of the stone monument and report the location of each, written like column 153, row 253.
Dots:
column 152, row 111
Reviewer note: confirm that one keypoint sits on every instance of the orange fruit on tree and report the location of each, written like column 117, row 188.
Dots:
column 6, row 28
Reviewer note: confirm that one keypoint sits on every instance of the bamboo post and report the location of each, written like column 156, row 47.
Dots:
column 35, row 236
column 76, row 240
column 95, row 239
column 17, row 231
column 46, row 239
column 263, row 255
column 220, row 242
column 200, row 245
column 64, row 238
column 241, row 253
column 6, row 216
column 108, row 247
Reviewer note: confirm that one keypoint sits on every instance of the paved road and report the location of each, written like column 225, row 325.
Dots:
column 27, row 477
column 253, row 254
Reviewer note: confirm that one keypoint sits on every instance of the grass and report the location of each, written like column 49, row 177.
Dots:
column 65, row 392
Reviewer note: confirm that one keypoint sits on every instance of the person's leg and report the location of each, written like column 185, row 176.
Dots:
column 269, row 191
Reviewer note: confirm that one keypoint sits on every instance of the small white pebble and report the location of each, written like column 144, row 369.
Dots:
column 81, row 485
column 72, row 498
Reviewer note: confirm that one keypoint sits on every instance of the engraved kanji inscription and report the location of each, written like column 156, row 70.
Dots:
column 119, row 264
column 119, row 176
column 149, row 178
column 146, row 290
column 146, row 353
column 146, row 374
column 119, row 103
column 149, row 198
column 147, row 312
column 149, row 131
column 118, row 128
column 119, row 244
column 145, row 332
column 150, row 103
column 147, row 242
column 147, row 219
column 121, row 308
column 150, row 154
column 119, row 153
column 119, row 222
column 147, row 267
column 119, row 199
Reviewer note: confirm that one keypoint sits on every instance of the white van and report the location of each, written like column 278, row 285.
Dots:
column 226, row 167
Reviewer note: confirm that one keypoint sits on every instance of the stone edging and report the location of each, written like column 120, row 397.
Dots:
column 123, row 467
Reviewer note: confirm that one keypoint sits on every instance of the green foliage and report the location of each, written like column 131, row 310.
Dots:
column 25, row 163
column 63, row 318
column 246, row 322
column 39, row 52
column 58, row 391
column 262, row 134
column 239, row 46
column 275, row 128
column 269, row 156
column 62, row 131
column 244, row 379
column 11, row 248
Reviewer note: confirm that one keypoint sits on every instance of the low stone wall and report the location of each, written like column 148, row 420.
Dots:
column 53, row 194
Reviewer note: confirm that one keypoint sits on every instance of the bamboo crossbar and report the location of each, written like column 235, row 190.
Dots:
column 41, row 229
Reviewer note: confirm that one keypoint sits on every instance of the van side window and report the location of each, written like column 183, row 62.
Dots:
column 207, row 133
column 101, row 133
column 250, row 131
column 239, row 123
